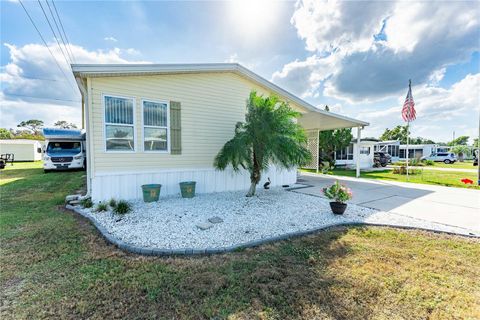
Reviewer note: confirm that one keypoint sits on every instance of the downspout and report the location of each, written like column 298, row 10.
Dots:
column 85, row 121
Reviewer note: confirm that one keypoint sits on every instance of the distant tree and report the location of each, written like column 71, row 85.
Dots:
column 64, row 125
column 331, row 140
column 462, row 140
column 32, row 125
column 26, row 134
column 420, row 140
column 400, row 133
column 475, row 143
column 5, row 134
column 460, row 150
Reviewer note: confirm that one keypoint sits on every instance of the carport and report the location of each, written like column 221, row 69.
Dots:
column 318, row 120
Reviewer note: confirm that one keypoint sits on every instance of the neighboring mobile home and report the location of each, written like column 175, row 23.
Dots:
column 347, row 156
column 166, row 123
column 22, row 149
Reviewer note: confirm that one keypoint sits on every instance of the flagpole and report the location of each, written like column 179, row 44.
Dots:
column 408, row 124
column 408, row 134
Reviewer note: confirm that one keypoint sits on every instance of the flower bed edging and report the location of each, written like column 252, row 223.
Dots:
column 255, row 243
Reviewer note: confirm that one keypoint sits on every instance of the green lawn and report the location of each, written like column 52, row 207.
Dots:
column 442, row 178
column 467, row 164
column 55, row 265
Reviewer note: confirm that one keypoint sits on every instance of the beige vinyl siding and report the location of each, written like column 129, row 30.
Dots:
column 211, row 105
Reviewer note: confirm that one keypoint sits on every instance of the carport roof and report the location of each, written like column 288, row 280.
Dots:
column 313, row 119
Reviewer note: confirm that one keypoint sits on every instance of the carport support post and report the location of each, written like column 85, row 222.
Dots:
column 357, row 152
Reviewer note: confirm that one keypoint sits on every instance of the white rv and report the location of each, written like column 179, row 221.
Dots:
column 64, row 149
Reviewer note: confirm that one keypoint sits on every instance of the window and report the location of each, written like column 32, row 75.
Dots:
column 345, row 153
column 156, row 126
column 63, row 148
column 365, row 150
column 119, row 123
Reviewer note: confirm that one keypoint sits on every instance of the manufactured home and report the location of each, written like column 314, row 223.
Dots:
column 166, row 123
column 22, row 149
column 346, row 157
column 398, row 151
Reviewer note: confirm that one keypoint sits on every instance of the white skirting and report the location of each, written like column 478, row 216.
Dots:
column 127, row 185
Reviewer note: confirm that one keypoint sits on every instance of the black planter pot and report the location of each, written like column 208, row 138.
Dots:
column 338, row 207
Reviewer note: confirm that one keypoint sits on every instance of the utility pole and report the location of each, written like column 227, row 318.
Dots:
column 453, row 136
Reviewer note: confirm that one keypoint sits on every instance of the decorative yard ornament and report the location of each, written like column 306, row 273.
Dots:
column 467, row 181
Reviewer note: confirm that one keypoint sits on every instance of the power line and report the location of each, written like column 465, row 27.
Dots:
column 54, row 34
column 36, row 78
column 27, row 96
column 58, row 29
column 64, row 33
column 46, row 45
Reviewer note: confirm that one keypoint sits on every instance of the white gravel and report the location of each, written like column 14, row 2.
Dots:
column 171, row 222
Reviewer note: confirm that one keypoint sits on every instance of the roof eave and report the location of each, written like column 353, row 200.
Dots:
column 86, row 70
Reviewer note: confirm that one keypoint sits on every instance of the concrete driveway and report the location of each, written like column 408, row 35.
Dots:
column 447, row 205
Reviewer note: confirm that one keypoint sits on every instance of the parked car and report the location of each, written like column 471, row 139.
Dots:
column 446, row 157
column 380, row 159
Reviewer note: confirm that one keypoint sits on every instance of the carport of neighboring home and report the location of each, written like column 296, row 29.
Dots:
column 164, row 123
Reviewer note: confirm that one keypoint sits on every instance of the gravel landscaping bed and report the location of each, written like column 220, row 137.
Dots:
column 220, row 220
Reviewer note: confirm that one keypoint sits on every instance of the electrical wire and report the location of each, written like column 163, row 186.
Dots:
column 58, row 29
column 54, row 34
column 27, row 96
column 64, row 33
column 46, row 45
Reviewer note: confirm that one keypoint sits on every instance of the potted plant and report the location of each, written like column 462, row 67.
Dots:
column 339, row 194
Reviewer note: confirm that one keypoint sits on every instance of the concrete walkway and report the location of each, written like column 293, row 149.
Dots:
column 446, row 205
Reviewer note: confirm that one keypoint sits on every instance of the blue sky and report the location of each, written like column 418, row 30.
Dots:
column 356, row 57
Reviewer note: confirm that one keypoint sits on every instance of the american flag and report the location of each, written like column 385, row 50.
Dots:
column 408, row 110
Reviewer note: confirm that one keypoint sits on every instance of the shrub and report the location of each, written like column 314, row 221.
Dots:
column 102, row 206
column 112, row 203
column 399, row 163
column 403, row 170
column 338, row 192
column 86, row 203
column 429, row 162
column 122, row 207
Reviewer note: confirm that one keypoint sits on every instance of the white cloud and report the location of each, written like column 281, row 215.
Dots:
column 34, row 86
column 110, row 39
column 234, row 58
column 367, row 51
column 333, row 25
column 305, row 77
column 439, row 111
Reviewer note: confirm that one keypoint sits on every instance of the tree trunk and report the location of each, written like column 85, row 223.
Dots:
column 251, row 191
column 254, row 177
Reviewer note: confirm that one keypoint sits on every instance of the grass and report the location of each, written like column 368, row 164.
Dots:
column 467, row 164
column 436, row 177
column 55, row 265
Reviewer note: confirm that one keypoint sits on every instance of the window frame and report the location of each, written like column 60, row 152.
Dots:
column 363, row 149
column 157, row 127
column 104, row 95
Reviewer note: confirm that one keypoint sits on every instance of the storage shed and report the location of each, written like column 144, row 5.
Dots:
column 23, row 149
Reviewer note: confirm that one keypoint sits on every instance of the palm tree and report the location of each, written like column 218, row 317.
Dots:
column 269, row 135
